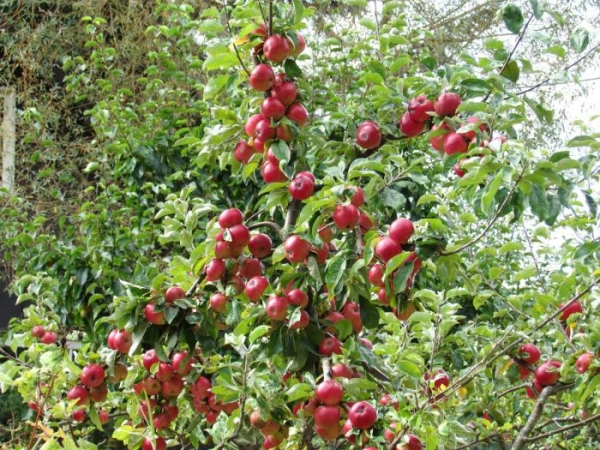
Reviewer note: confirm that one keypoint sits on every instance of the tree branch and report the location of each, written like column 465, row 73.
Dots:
column 237, row 53
column 489, row 225
column 521, row 440
column 565, row 428
column 268, row 224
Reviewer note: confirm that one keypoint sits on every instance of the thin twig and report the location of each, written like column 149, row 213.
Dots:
column 512, row 389
column 267, row 223
column 490, row 224
column 478, row 441
column 570, row 66
column 237, row 53
column 565, row 428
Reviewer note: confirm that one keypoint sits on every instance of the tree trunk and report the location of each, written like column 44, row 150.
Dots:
column 8, row 139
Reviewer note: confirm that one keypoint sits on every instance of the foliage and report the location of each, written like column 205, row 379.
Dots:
column 166, row 111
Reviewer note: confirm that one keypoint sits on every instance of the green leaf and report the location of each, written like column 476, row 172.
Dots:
column 490, row 193
column 335, row 271
column 220, row 61
column 95, row 418
column 300, row 391
column 214, row 86
column 258, row 332
column 281, row 151
column 538, row 202
column 511, row 71
column 579, row 39
column 393, row 198
column 538, row 8
column 512, row 17
column 292, row 70
column 369, row 23
column 138, row 335
column 298, row 11
column 409, row 368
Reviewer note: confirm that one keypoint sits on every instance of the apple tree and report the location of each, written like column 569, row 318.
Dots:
column 356, row 247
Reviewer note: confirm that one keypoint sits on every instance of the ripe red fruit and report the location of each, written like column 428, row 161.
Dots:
column 48, row 338
column 302, row 322
column 218, row 302
column 387, row 248
column 38, row 331
column 92, row 375
column 330, row 392
column 401, row 230
column 79, row 393
column 201, row 387
column 573, row 308
column 297, row 113
column 272, row 108
column 103, row 416
column 446, row 104
column 230, row 217
column 351, row 312
column 122, row 341
column 358, row 199
column 79, row 415
column 240, row 236
column 301, row 187
column 250, row 127
column 262, row 77
column 251, row 267
column 439, row 381
column 271, row 173
column 215, row 269
column 277, row 307
column 470, row 135
column 458, row 169
column 182, row 363
column 368, row 135
column 418, row 108
column 157, row 443
column 149, row 359
column 529, row 354
column 260, row 245
column 411, row 442
column 243, row 152
column 276, row 48
column 165, row 371
column 455, row 143
column 151, row 386
column 119, row 373
column 375, row 274
column 264, row 132
column 99, row 393
column 172, row 388
column 152, row 316
column 284, row 133
column 110, row 339
column 325, row 234
column 255, row 288
column 286, row 92
column 297, row 49
column 346, row 217
column 297, row 297
column 547, row 373
column 329, row 346
column 341, row 370
column 174, row 293
column 362, row 415
column 296, row 249
column 411, row 127
column 327, row 416
column 583, row 362
column 437, row 142
column 161, row 421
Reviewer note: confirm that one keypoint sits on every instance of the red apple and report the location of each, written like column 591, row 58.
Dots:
column 302, row 322
column 172, row 388
column 358, row 198
column 79, row 415
column 149, row 359
column 152, row 316
column 346, row 217
column 296, row 249
column 92, row 375
column 262, row 77
column 329, row 346
column 418, row 108
column 99, row 393
column 411, row 127
column 341, row 370
column 455, row 143
column 327, row 416
column 123, row 341
column 529, row 354
column 401, row 230
column 48, row 338
column 38, row 331
column 103, row 416
column 272, row 108
column 243, row 152
column 286, row 92
column 260, row 245
column 387, row 248
column 351, row 312
column 297, row 113
column 174, row 293
column 437, row 142
column 271, row 173
column 157, row 443
column 362, row 415
column 277, row 307
column 410, row 442
column 201, row 387
column 573, row 308
column 368, row 135
column 297, row 297
column 218, row 302
column 297, row 49
column 547, row 373
column 165, row 371
column 250, row 127
column 182, row 363
column 255, row 288
column 276, row 48
column 583, row 362
column 301, row 187
column 446, row 104
column 79, row 393
column 251, row 267
column 330, row 392
column 215, row 269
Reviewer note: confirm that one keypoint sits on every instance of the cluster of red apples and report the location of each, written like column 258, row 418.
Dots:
column 547, row 373
column 44, row 336
column 450, row 136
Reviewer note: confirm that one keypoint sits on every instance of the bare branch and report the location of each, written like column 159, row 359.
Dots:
column 565, row 428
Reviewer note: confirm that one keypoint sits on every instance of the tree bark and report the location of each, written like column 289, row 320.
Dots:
column 9, row 121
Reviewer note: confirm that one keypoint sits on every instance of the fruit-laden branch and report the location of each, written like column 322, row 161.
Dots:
column 490, row 224
column 547, row 392
column 570, row 66
column 468, row 377
column 565, row 428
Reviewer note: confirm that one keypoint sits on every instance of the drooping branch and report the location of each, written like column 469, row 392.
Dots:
column 538, row 409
